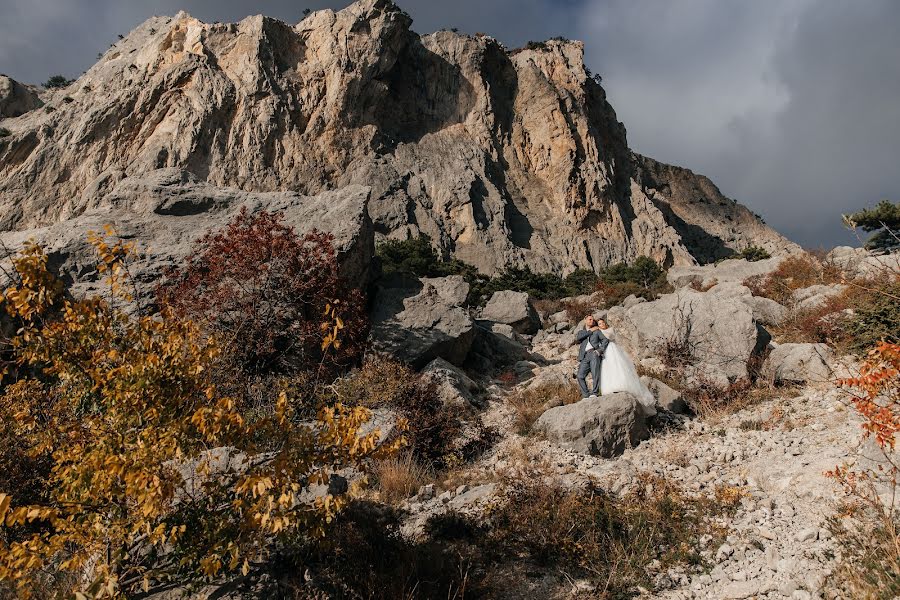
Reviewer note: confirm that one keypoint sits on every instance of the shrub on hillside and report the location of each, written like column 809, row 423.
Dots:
column 643, row 278
column 418, row 257
column 754, row 253
column 262, row 290
column 384, row 383
column 793, row 273
column 58, row 81
column 123, row 410
column 4, row 132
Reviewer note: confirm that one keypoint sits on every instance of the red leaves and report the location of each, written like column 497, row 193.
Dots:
column 262, row 290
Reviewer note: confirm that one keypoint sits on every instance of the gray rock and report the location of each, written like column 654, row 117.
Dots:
column 800, row 363
column 859, row 262
column 732, row 270
column 765, row 310
column 807, row 535
column 470, row 497
column 416, row 325
column 666, row 398
column 632, row 300
column 603, row 426
column 558, row 317
column 16, row 99
column 737, row 590
column 490, row 350
column 722, row 334
column 452, row 289
column 815, row 296
column 454, row 386
column 513, row 309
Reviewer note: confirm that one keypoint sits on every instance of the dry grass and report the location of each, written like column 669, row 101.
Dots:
column 794, row 273
column 869, row 537
column 399, row 478
column 531, row 404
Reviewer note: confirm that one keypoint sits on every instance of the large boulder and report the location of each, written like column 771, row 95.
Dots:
column 513, row 309
column 454, row 387
column 415, row 323
column 667, row 398
column 731, row 270
column 765, row 310
column 717, row 334
column 16, row 99
column 495, row 347
column 603, row 426
column 800, row 363
column 815, row 296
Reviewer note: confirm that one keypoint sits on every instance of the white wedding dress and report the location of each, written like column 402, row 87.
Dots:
column 617, row 374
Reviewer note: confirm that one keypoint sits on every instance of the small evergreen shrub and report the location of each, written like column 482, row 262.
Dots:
column 883, row 220
column 57, row 81
column 754, row 253
column 4, row 132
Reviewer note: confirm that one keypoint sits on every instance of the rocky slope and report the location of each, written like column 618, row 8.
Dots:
column 501, row 157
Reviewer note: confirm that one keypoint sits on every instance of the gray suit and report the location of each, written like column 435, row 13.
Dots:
column 590, row 360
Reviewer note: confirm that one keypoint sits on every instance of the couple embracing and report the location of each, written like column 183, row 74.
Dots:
column 610, row 367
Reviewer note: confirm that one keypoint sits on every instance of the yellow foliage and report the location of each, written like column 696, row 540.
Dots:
column 124, row 409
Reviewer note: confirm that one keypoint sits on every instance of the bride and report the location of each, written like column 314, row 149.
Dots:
column 617, row 372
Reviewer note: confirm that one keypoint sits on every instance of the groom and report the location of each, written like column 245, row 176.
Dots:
column 590, row 356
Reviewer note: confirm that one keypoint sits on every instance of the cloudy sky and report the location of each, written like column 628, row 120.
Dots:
column 791, row 106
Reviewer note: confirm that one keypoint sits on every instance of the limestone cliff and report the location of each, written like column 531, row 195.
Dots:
column 501, row 157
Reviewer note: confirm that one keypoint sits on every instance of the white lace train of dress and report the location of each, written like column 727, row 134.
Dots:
column 617, row 374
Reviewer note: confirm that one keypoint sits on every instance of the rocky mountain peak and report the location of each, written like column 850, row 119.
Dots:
column 503, row 157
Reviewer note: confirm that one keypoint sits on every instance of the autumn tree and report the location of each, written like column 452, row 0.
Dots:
column 154, row 476
column 261, row 290
column 868, row 527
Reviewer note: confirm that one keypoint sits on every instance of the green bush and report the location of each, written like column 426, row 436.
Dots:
column 754, row 253
column 57, row 81
column 418, row 257
column 4, row 132
column 643, row 278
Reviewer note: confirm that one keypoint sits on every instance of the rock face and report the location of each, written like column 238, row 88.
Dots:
column 719, row 334
column 168, row 209
column 16, row 99
column 501, row 157
column 603, row 426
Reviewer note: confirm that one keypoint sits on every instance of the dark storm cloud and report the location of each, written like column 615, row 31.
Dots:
column 790, row 107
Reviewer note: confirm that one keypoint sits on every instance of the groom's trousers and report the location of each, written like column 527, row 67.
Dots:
column 590, row 363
